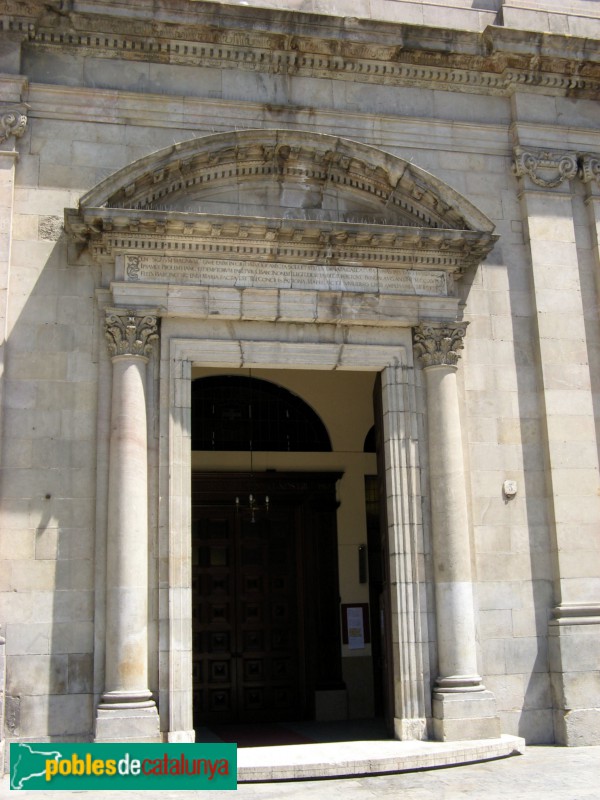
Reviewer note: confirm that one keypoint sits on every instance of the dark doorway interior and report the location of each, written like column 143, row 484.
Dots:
column 265, row 596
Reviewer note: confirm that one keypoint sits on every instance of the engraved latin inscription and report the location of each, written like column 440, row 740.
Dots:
column 255, row 274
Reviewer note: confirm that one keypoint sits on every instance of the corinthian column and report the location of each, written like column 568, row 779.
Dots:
column 462, row 708
column 127, row 710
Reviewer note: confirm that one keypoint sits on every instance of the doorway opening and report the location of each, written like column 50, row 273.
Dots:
column 268, row 594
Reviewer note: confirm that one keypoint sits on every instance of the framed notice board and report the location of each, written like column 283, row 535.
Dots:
column 356, row 632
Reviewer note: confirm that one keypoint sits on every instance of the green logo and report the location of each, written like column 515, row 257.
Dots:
column 70, row 767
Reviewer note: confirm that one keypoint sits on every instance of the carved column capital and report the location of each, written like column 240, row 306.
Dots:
column 438, row 345
column 129, row 333
column 545, row 168
column 590, row 169
column 13, row 122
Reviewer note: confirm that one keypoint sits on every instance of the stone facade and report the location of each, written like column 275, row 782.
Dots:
column 336, row 196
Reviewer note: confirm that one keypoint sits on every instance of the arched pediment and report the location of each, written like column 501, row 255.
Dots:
column 282, row 196
column 287, row 175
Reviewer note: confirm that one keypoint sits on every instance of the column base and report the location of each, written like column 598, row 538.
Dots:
column 127, row 725
column 574, row 645
column 459, row 716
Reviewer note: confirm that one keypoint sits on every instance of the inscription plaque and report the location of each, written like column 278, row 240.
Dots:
column 255, row 274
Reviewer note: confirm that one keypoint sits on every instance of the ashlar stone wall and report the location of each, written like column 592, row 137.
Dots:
column 88, row 116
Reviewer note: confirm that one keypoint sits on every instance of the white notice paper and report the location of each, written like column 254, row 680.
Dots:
column 356, row 628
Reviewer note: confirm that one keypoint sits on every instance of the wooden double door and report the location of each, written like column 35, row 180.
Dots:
column 258, row 608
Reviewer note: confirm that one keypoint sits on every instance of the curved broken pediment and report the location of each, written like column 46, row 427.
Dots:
column 287, row 175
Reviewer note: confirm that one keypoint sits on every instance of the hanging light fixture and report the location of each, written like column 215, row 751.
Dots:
column 253, row 505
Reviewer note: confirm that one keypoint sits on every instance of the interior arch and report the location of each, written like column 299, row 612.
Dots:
column 239, row 412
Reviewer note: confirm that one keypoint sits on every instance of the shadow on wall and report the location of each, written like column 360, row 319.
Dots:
column 47, row 490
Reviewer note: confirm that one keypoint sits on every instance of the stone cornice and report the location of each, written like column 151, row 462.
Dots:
column 111, row 231
column 129, row 333
column 437, row 345
column 497, row 61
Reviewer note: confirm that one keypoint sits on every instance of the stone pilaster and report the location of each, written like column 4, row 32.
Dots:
column 404, row 526
column 462, row 707
column 572, row 454
column 13, row 122
column 127, row 710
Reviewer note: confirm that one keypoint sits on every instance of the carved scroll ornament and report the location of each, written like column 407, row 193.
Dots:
column 130, row 334
column 437, row 345
column 12, row 123
column 545, row 168
column 590, row 169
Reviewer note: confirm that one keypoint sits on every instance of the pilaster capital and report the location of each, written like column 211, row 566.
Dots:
column 545, row 168
column 590, row 169
column 13, row 121
column 438, row 344
column 129, row 333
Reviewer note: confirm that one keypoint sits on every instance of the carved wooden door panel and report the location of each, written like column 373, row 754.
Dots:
column 270, row 679
column 246, row 611
column 213, row 613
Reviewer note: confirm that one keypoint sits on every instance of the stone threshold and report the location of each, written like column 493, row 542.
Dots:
column 355, row 758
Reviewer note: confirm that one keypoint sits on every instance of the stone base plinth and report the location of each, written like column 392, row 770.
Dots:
column 410, row 729
column 181, row 737
column 574, row 646
column 127, row 725
column 459, row 716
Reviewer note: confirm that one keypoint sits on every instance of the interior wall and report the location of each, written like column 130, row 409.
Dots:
column 344, row 402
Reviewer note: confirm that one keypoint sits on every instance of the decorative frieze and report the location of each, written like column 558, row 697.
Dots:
column 437, row 345
column 545, row 168
column 172, row 233
column 130, row 334
column 13, row 122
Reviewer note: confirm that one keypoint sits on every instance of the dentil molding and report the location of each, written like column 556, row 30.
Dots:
column 495, row 61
